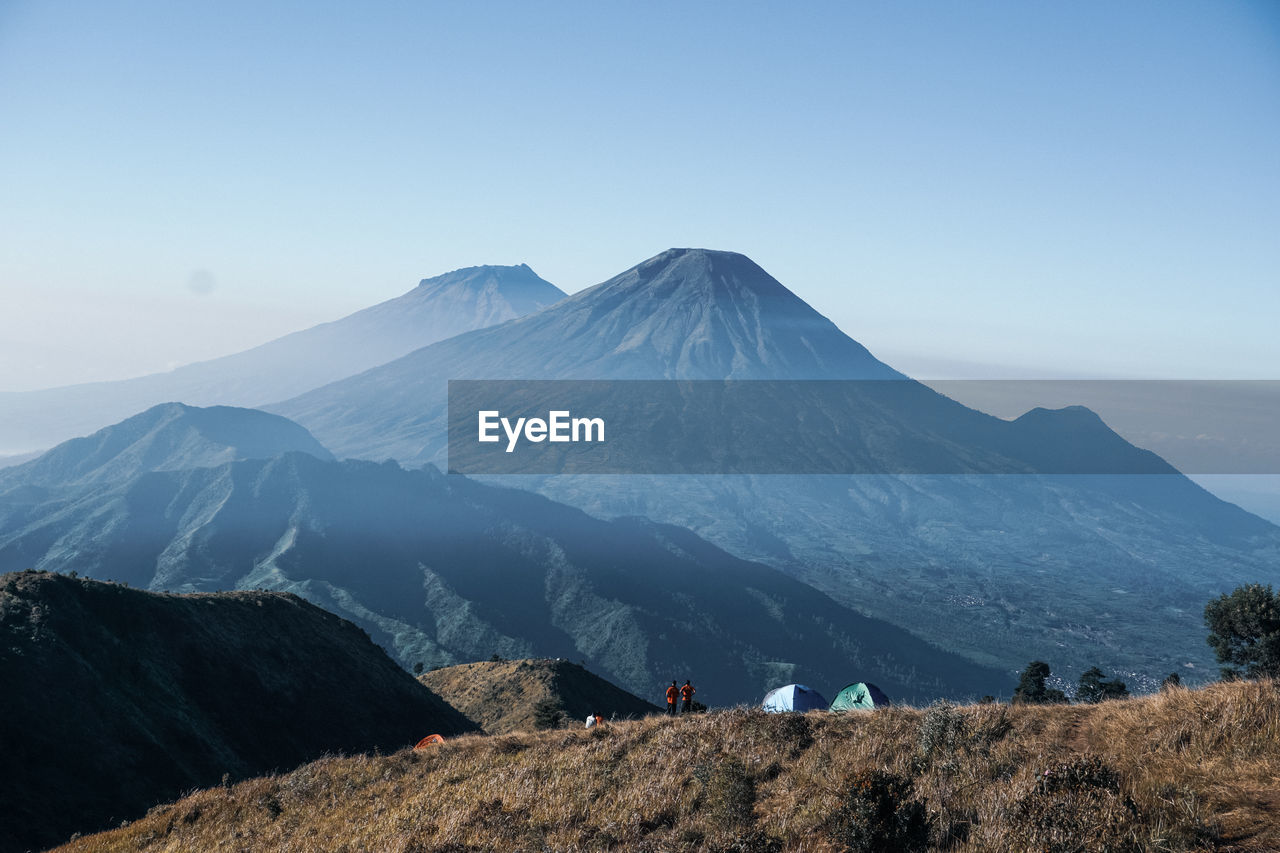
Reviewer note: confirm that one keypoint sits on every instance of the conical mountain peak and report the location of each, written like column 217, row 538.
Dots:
column 707, row 272
column 702, row 314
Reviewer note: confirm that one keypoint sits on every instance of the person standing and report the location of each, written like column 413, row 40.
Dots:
column 672, row 694
column 686, row 697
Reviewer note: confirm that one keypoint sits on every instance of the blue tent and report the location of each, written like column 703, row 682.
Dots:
column 794, row 697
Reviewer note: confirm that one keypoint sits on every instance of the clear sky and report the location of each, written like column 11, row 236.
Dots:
column 970, row 189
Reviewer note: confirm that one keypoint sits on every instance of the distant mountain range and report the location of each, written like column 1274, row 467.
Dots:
column 1075, row 569
column 116, row 700
column 684, row 314
column 442, row 570
column 438, row 308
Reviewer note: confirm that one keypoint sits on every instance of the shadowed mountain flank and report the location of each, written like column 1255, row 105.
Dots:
column 151, row 695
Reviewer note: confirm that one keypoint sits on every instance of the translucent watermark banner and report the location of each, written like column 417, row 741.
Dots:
column 863, row 427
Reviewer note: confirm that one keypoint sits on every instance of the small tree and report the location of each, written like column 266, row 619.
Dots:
column 417, row 668
column 1172, row 680
column 1244, row 631
column 1094, row 688
column 1031, row 687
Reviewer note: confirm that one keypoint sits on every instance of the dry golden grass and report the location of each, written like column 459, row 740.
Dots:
column 501, row 695
column 1182, row 770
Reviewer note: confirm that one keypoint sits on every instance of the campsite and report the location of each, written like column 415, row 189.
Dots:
column 1149, row 773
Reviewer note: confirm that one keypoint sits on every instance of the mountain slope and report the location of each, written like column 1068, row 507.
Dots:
column 442, row 569
column 168, row 437
column 1056, row 562
column 116, row 699
column 501, row 695
column 437, row 308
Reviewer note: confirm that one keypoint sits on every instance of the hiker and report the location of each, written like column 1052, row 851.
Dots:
column 686, row 698
column 599, row 720
column 672, row 693
column 592, row 720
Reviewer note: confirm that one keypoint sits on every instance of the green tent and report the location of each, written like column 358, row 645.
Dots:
column 860, row 696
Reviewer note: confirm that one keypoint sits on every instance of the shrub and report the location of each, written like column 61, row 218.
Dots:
column 548, row 714
column 1075, row 806
column 878, row 814
column 795, row 730
column 942, row 732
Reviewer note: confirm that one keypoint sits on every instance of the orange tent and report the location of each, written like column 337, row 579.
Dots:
column 427, row 741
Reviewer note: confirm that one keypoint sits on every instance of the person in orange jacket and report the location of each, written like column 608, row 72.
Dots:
column 672, row 695
column 686, row 697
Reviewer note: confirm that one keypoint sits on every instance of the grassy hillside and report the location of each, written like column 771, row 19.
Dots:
column 501, row 695
column 114, row 699
column 1183, row 770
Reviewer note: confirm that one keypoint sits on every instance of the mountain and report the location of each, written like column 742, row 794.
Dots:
column 437, row 308
column 117, row 699
column 1094, row 552
column 501, row 695
column 683, row 314
column 168, row 437
column 441, row 570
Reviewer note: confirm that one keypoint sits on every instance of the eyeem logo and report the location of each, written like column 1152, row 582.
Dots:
column 559, row 426
column 899, row 427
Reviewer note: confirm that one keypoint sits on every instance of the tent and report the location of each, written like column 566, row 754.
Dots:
column 793, row 697
column 429, row 740
column 860, row 696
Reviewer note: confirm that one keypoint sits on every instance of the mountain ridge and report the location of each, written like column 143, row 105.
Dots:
column 441, row 569
column 167, row 437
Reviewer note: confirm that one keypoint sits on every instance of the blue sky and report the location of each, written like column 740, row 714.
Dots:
column 970, row 189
